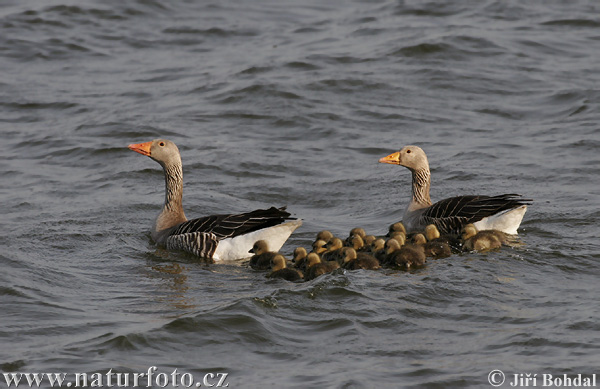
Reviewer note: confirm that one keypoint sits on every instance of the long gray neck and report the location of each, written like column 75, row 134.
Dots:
column 421, row 181
column 173, row 188
column 172, row 212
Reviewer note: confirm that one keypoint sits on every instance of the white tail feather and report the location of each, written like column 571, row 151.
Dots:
column 507, row 221
column 231, row 249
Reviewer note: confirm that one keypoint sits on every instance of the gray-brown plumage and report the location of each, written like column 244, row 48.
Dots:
column 261, row 260
column 503, row 212
column 315, row 267
column 216, row 237
column 280, row 270
column 353, row 260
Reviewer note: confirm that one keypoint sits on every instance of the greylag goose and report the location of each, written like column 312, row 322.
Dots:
column 502, row 212
column 217, row 237
column 315, row 267
column 279, row 270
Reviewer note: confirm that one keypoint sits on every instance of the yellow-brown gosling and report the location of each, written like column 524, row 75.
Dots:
column 354, row 260
column 299, row 259
column 317, row 268
column 261, row 260
column 408, row 257
column 357, row 243
column 324, row 235
column 479, row 240
column 319, row 247
column 333, row 252
column 279, row 270
column 433, row 249
column 396, row 227
column 377, row 249
column 390, row 246
column 433, row 235
column 399, row 236
column 369, row 239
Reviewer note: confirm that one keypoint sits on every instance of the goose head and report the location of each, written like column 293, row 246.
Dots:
column 411, row 157
column 162, row 151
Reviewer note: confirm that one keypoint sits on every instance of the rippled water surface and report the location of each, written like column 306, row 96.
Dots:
column 293, row 103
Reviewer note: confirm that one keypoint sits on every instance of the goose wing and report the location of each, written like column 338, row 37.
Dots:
column 451, row 214
column 229, row 226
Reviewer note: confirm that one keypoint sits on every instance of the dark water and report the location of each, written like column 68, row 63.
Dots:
column 293, row 103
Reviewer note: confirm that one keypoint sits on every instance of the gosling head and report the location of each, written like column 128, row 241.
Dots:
column 324, row 235
column 312, row 259
column 277, row 262
column 259, row 247
column 349, row 254
column 358, row 231
column 432, row 232
column 419, row 239
column 299, row 253
column 468, row 231
column 334, row 244
column 391, row 245
column 319, row 246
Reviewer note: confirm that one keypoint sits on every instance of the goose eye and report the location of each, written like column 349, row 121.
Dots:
column 161, row 144
column 408, row 151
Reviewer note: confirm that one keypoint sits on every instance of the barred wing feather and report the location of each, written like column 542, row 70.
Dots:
column 229, row 226
column 450, row 215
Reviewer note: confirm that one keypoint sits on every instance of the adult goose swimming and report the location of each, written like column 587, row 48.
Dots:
column 217, row 237
column 502, row 212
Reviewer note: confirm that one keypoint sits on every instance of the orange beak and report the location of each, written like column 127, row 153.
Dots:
column 142, row 148
column 393, row 158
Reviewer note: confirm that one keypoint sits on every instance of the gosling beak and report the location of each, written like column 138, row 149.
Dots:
column 142, row 148
column 393, row 159
column 251, row 250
